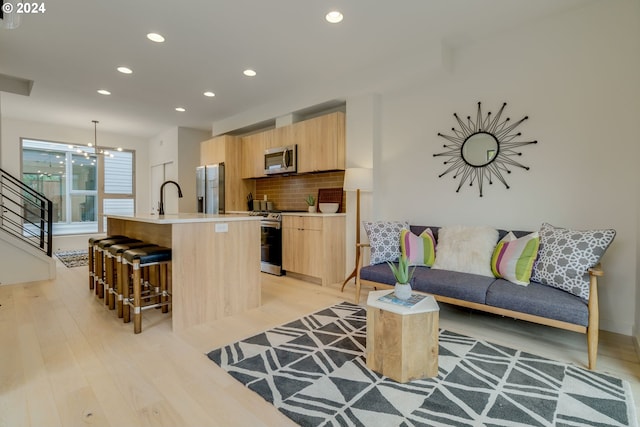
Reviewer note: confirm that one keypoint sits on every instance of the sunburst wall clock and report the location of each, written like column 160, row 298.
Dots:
column 483, row 149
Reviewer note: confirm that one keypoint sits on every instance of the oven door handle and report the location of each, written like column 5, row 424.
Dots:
column 275, row 225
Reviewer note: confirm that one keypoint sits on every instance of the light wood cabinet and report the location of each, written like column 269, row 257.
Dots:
column 321, row 143
column 253, row 147
column 228, row 149
column 282, row 136
column 313, row 246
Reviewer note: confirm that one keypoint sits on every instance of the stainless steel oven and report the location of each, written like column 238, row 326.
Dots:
column 271, row 243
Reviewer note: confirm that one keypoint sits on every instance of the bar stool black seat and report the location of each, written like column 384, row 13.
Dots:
column 142, row 258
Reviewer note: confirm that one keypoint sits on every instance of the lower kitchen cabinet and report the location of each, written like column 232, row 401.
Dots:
column 314, row 246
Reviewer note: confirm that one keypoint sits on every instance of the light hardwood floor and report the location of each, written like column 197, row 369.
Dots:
column 66, row 360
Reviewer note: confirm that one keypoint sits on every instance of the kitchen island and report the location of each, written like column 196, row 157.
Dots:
column 215, row 261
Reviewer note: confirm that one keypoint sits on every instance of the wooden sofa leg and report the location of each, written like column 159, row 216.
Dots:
column 358, row 292
column 594, row 323
column 592, row 345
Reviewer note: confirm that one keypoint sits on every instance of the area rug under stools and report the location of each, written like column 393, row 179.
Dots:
column 75, row 258
column 314, row 371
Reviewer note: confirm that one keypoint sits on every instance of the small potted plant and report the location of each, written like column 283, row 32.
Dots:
column 311, row 202
column 403, row 276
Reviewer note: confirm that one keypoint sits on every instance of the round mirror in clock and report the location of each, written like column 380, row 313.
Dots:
column 483, row 149
column 480, row 149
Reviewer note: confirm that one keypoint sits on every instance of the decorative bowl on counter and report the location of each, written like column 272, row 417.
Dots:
column 328, row 207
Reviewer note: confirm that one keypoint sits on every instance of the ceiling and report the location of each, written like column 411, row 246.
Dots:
column 73, row 48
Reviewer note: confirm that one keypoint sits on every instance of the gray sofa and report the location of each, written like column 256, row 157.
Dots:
column 534, row 303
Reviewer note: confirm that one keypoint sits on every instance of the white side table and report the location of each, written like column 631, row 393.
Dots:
column 402, row 342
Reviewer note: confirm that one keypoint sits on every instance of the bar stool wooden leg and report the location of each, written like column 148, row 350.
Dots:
column 119, row 286
column 156, row 286
column 108, row 282
column 137, row 298
column 163, row 287
column 98, row 273
column 91, row 266
column 126, row 312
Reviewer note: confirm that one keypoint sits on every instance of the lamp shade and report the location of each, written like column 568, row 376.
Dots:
column 358, row 179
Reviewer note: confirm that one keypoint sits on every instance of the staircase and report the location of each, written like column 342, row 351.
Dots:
column 25, row 233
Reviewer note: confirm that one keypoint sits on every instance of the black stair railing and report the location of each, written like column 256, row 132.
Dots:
column 25, row 213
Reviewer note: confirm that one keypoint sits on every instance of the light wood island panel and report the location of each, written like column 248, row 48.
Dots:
column 215, row 263
column 216, row 274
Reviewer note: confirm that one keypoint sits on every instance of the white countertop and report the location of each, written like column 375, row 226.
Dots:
column 314, row 214
column 297, row 213
column 182, row 218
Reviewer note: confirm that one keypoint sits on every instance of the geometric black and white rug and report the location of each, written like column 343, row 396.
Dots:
column 73, row 258
column 314, row 371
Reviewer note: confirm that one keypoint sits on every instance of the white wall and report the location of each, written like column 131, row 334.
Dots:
column 576, row 77
column 362, row 134
column 189, row 158
column 163, row 163
column 178, row 149
column 14, row 129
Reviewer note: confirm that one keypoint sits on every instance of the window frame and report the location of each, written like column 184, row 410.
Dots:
column 99, row 226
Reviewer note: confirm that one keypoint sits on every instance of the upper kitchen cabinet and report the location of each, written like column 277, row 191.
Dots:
column 227, row 149
column 282, row 136
column 321, row 143
column 253, row 147
column 214, row 150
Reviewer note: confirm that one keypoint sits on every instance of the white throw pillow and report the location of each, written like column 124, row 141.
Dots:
column 466, row 249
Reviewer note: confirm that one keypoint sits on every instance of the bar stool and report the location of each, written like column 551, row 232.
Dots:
column 90, row 252
column 115, row 285
column 142, row 258
column 100, row 247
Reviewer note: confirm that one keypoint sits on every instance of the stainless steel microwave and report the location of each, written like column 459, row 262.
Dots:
column 281, row 160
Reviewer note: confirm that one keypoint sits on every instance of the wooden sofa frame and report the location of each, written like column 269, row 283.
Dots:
column 591, row 330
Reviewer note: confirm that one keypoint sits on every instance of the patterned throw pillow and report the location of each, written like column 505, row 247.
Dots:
column 565, row 256
column 513, row 257
column 419, row 250
column 466, row 249
column 384, row 238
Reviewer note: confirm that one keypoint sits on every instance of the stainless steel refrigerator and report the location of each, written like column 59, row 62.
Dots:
column 210, row 188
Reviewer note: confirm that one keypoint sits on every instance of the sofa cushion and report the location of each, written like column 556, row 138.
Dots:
column 539, row 300
column 419, row 250
column 513, row 257
column 384, row 238
column 464, row 286
column 566, row 255
column 466, row 249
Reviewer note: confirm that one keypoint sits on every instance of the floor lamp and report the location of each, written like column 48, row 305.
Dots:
column 357, row 179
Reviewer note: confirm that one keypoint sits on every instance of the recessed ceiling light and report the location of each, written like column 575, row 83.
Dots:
column 104, row 92
column 181, row 109
column 209, row 94
column 125, row 70
column 155, row 37
column 334, row 17
column 249, row 72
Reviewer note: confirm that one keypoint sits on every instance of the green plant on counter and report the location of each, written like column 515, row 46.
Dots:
column 311, row 201
column 401, row 271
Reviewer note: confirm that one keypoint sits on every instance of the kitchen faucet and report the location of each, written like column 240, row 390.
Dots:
column 161, row 203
